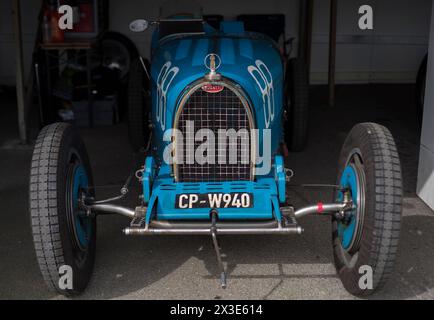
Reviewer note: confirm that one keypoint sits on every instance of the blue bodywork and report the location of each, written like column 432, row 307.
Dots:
column 250, row 60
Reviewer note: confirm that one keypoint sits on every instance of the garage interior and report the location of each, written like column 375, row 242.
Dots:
column 375, row 74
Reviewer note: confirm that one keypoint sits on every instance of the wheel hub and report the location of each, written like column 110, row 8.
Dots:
column 353, row 185
column 80, row 224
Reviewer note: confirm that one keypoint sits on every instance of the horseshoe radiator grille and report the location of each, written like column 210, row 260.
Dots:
column 224, row 110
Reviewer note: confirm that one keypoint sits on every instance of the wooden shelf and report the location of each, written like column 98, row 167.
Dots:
column 73, row 45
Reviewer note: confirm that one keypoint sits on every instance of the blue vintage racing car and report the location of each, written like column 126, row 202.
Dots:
column 215, row 112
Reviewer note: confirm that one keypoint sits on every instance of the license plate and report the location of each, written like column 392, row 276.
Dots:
column 214, row 200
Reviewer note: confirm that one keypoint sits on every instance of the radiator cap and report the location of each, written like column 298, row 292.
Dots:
column 212, row 62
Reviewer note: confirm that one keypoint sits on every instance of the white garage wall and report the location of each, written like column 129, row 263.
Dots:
column 425, row 180
column 389, row 53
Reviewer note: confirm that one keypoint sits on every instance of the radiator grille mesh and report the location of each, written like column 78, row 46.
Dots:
column 216, row 111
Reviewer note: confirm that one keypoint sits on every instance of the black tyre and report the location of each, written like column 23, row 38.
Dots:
column 420, row 86
column 370, row 170
column 62, row 235
column 139, row 101
column 119, row 50
column 297, row 111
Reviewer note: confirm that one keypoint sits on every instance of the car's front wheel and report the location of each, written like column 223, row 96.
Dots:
column 64, row 237
column 365, row 242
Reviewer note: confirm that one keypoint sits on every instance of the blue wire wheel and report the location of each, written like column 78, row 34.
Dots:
column 79, row 224
column 352, row 183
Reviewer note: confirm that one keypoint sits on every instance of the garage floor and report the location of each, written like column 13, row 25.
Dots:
column 261, row 267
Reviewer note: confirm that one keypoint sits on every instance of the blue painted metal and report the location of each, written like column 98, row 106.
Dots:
column 276, row 208
column 280, row 176
column 83, row 225
column 178, row 61
column 347, row 231
column 160, row 190
column 232, row 27
column 147, row 178
column 253, row 62
column 263, row 191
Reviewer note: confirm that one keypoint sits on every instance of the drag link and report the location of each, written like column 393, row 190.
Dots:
column 324, row 208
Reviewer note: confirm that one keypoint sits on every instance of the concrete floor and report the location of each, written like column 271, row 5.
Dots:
column 266, row 267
